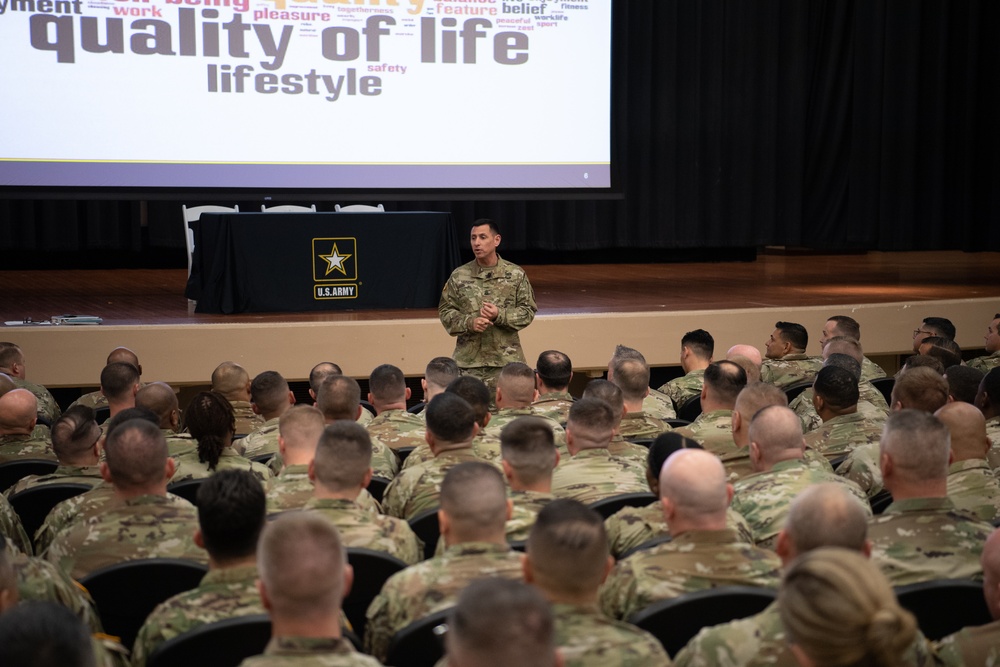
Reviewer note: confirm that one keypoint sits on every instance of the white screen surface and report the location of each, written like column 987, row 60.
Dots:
column 305, row 93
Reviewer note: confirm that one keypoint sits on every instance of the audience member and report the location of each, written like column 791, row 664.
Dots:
column 631, row 375
column 612, row 395
column 75, row 437
column 12, row 364
column 656, row 404
column 438, row 375
column 963, row 383
column 339, row 399
column 515, row 394
column 232, row 382
column 786, row 362
column 972, row 486
column 270, row 397
column 119, row 384
column 723, row 382
column 979, row 645
column 210, row 420
column 322, row 372
column 835, row 399
column 393, row 425
column 697, row 348
column 96, row 399
column 932, row 326
column 528, row 455
column 848, row 327
column 18, row 416
column 44, row 634
column 161, row 399
column 992, row 344
column 553, row 373
column 944, row 349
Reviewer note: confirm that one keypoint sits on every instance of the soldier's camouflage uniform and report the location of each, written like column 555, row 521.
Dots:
column 974, row 489
column 144, row 527
column 993, row 433
column 90, row 475
column 507, row 415
column 631, row 526
column 871, row 403
column 48, row 407
column 978, row 646
column 470, row 285
column 359, row 527
column 862, row 467
column 72, row 510
column 682, row 389
column 657, row 404
column 760, row 640
column 623, row 449
column 222, row 594
column 179, row 444
column 692, row 561
column 738, row 465
column 587, row 638
column 527, row 505
column 985, row 363
column 921, row 539
column 790, row 369
column 641, row 425
column 842, row 434
column 247, row 421
column 555, row 405
column 262, row 441
column 713, row 430
column 190, row 467
column 594, row 474
column 765, row 498
column 398, row 428
column 11, row 528
column 310, row 652
column 870, row 370
column 433, row 585
column 418, row 488
column 291, row 490
column 485, row 445
column 15, row 447
column 40, row 580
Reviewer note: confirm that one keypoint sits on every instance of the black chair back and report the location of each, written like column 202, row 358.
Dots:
column 34, row 504
column 263, row 458
column 417, row 408
column 126, row 593
column 403, row 452
column 880, row 501
column 11, row 472
column 371, row 569
column 945, row 606
column 681, row 423
column 885, row 385
column 420, row 644
column 377, row 487
column 648, row 544
column 690, row 409
column 674, row 622
column 425, row 525
column 221, row 644
column 608, row 506
column 188, row 489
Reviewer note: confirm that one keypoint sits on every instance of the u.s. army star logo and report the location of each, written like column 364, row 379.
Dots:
column 335, row 259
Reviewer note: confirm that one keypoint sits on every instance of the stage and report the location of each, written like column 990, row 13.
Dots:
column 583, row 310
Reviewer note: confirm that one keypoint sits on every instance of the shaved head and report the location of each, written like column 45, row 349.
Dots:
column 695, row 482
column 748, row 351
column 300, row 428
column 826, row 515
column 967, row 427
column 18, row 411
column 918, row 444
column 474, row 497
column 775, row 431
column 126, row 355
column 161, row 399
column 231, row 380
column 517, row 384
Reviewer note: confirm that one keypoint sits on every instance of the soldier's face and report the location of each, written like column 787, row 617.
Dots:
column 919, row 334
column 993, row 336
column 774, row 347
column 484, row 243
column 829, row 331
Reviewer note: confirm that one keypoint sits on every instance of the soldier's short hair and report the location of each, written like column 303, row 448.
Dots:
column 343, row 456
column 498, row 623
column 945, row 349
column 136, row 454
column 18, row 409
column 339, row 397
column 269, row 391
column 919, row 444
column 626, row 352
column 726, row 380
column 846, row 326
column 793, row 333
column 44, row 634
column 441, row 371
column 321, row 372
column 757, row 396
column 128, row 414
column 117, row 380
column 568, row 548
column 593, row 416
column 663, row 447
column 826, row 515
column 10, row 354
column 700, row 342
column 494, row 227
column 301, row 563
column 840, row 609
column 528, row 445
column 474, row 496
column 74, row 433
column 387, row 384
column 158, row 397
column 844, row 345
column 632, row 377
column 210, row 420
column 845, row 362
column 300, row 427
column 554, row 368
column 941, row 326
column 837, row 387
column 921, row 361
column 776, row 429
column 229, row 377
column 608, row 392
column 517, row 382
column 963, row 382
column 450, row 418
column 232, row 510
column 920, row 389
column 476, row 394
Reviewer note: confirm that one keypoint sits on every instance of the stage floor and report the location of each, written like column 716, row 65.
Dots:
column 583, row 309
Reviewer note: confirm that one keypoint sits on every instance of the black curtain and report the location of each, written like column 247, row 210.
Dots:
column 829, row 124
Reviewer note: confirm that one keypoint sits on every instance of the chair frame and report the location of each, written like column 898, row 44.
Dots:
column 194, row 213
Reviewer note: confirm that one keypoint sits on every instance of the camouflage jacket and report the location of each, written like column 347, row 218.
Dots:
column 842, row 434
column 555, row 405
column 433, row 585
column 685, row 387
column 871, row 403
column 765, row 498
column 63, row 475
column 247, row 421
column 760, row 640
column 790, row 369
column 264, row 440
column 485, row 445
column 222, row 594
column 310, row 652
column 713, row 430
column 658, row 405
column 40, row 580
column 180, row 444
column 398, row 428
column 623, row 449
column 527, row 505
column 11, row 528
column 143, row 527
column 974, row 489
column 359, row 527
column 985, row 363
column 588, row 638
column 17, row 447
column 190, row 467
column 291, row 490
column 971, row 646
column 641, row 425
column 594, row 474
column 631, row 526
column 470, row 285
column 870, row 370
column 993, row 433
column 418, row 488
column 507, row 415
column 862, row 467
column 71, row 511
column 692, row 561
column 48, row 407
column 922, row 539
column 738, row 465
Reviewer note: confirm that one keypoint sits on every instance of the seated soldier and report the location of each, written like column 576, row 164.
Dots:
column 12, row 364
column 232, row 382
column 749, row 359
column 119, row 384
column 963, row 383
column 339, row 399
column 96, row 399
column 210, row 420
column 322, row 372
column 553, row 373
column 631, row 375
column 612, row 395
column 713, row 428
column 972, row 486
column 843, row 326
column 270, row 397
column 528, row 457
column 944, row 349
column 74, row 440
column 44, row 634
column 932, row 326
column 18, row 416
column 988, row 402
column 992, row 339
column 514, row 396
column 845, row 427
column 978, row 645
column 161, row 399
column 786, row 361
column 440, row 372
column 697, row 348
column 655, row 403
column 393, row 425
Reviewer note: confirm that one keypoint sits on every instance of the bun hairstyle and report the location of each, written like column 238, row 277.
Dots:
column 210, row 420
column 841, row 611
